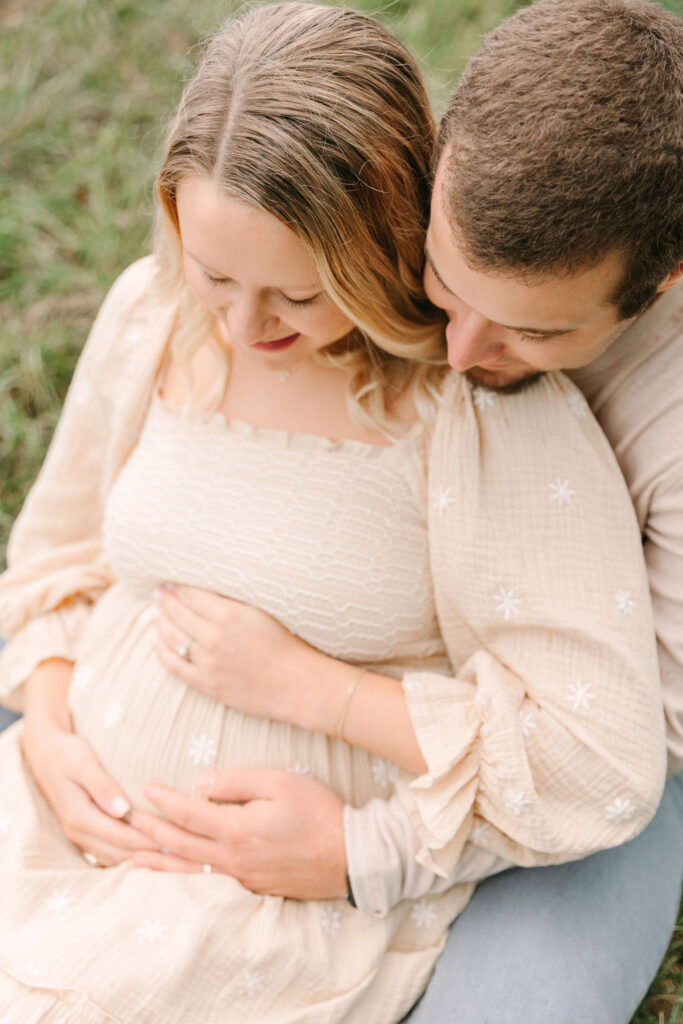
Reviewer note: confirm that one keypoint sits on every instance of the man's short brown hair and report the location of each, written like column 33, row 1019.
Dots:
column 565, row 141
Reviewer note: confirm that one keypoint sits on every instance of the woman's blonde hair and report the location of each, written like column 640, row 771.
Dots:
column 319, row 116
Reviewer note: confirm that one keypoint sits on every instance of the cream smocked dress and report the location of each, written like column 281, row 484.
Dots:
column 491, row 565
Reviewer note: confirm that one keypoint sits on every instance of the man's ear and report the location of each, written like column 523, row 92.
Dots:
column 671, row 279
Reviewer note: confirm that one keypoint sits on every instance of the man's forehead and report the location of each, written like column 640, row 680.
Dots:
column 556, row 303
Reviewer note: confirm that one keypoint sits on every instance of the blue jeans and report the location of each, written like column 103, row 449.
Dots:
column 572, row 943
column 6, row 718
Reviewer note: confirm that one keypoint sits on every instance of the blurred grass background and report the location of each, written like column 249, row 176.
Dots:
column 86, row 87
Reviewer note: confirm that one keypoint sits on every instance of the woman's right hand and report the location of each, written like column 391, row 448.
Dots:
column 87, row 803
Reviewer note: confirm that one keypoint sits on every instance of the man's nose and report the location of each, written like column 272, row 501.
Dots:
column 471, row 340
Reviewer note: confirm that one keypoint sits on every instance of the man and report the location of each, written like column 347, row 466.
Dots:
column 555, row 243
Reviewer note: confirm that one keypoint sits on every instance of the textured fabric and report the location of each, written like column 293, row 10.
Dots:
column 546, row 744
column 636, row 391
column 576, row 942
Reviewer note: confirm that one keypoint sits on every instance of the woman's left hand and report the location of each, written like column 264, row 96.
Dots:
column 276, row 832
column 233, row 652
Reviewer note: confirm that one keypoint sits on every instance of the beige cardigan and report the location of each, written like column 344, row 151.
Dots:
column 548, row 742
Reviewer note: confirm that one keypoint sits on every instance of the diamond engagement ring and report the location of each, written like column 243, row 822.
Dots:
column 207, row 869
column 184, row 650
column 91, row 859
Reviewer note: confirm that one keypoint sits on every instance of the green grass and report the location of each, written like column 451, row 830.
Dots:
column 85, row 88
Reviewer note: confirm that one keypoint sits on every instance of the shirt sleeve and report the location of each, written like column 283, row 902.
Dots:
column 56, row 564
column 664, row 558
column 547, row 743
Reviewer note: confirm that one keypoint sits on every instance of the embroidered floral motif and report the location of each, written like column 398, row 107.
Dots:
column 60, row 901
column 442, row 499
column 152, row 931
column 516, row 802
column 527, row 722
column 579, row 695
column 383, row 772
column 253, row 983
column 483, row 397
column 506, row 602
column 625, row 603
column 422, row 913
column 561, row 493
column 113, row 713
column 81, row 677
column 202, row 749
column 577, row 404
column 330, row 919
column 621, row 810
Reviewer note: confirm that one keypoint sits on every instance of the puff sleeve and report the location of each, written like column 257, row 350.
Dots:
column 548, row 743
column 56, row 565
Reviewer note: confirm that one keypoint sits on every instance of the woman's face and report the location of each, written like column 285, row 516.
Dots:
column 256, row 276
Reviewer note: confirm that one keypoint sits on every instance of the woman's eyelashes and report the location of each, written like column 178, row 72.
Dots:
column 210, row 279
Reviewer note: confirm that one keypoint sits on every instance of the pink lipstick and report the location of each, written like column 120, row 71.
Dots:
column 277, row 345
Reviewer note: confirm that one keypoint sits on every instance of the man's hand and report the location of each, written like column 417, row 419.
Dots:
column 276, row 832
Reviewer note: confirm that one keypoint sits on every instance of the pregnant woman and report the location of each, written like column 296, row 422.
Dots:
column 261, row 411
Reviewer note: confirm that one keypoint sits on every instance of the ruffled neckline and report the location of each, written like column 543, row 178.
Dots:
column 281, row 438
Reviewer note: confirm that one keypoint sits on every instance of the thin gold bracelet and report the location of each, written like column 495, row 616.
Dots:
column 341, row 722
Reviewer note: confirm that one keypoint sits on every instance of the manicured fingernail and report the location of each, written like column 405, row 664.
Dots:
column 119, row 807
column 170, row 587
column 206, row 782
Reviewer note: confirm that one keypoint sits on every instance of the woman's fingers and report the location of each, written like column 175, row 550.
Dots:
column 99, row 786
column 182, row 618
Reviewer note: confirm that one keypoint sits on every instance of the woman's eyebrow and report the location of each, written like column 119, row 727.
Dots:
column 283, row 287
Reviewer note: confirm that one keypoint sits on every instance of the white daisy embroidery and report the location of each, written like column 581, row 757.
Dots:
column 579, row 695
column 202, row 749
column 480, row 831
column 625, row 603
column 330, row 919
column 483, row 397
column 506, row 602
column 620, row 810
column 561, row 493
column 33, row 968
column 6, row 823
column 152, row 931
column 577, row 404
column 81, row 677
column 300, row 769
column 59, row 901
column 383, row 772
column 527, row 722
column 442, row 498
column 113, row 713
column 422, row 914
column 412, row 685
column 253, row 983
column 516, row 802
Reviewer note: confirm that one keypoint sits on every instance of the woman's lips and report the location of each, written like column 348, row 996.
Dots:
column 277, row 345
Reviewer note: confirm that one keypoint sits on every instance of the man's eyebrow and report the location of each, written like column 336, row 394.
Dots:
column 435, row 272
column 540, row 331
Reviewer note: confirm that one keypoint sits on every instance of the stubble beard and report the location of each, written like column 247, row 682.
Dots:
column 511, row 387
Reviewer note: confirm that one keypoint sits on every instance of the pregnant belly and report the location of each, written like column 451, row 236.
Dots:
column 147, row 726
